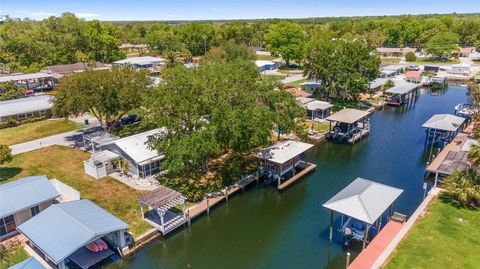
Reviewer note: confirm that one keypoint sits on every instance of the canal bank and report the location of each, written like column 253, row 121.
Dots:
column 264, row 228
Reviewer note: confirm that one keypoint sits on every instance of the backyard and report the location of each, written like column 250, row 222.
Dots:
column 10, row 255
column 32, row 131
column 66, row 165
column 447, row 237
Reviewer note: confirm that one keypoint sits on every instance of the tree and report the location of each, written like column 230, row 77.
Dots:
column 5, row 154
column 286, row 39
column 464, row 187
column 343, row 67
column 229, row 52
column 442, row 44
column 9, row 91
column 106, row 94
column 410, row 57
column 219, row 107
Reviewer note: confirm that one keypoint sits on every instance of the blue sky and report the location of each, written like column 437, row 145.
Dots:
column 226, row 9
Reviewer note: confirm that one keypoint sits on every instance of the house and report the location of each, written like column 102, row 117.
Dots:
column 282, row 160
column 385, row 74
column 146, row 62
column 413, row 76
column 144, row 161
column 398, row 69
column 395, row 52
column 78, row 232
column 34, row 81
column 465, row 52
column 30, row 263
column 25, row 108
column 267, row 65
column 128, row 46
column 311, row 86
column 21, row 200
column 460, row 69
column 59, row 70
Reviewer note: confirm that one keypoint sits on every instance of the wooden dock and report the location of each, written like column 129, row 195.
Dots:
column 298, row 176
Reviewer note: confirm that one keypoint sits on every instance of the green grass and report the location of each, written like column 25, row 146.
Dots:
column 265, row 57
column 375, row 100
column 18, row 254
column 66, row 165
column 435, row 61
column 32, row 131
column 392, row 60
column 271, row 78
column 447, row 237
column 297, row 83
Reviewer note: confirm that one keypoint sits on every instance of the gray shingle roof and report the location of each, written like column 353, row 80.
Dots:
column 25, row 193
column 63, row 228
column 363, row 200
column 25, row 105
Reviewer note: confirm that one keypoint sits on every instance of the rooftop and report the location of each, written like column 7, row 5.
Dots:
column 159, row 197
column 141, row 60
column 25, row 105
column 24, row 193
column 61, row 229
column 413, row 74
column 318, row 105
column 30, row 263
column 136, row 146
column 261, row 63
column 378, row 82
column 76, row 67
column 364, row 200
column 348, row 115
column 24, row 77
column 396, row 50
column 283, row 151
column 444, row 122
column 402, row 87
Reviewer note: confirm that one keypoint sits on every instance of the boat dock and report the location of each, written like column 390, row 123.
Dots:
column 310, row 167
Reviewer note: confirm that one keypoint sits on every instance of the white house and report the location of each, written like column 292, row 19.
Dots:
column 461, row 69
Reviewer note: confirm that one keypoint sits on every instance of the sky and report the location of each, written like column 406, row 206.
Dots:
column 122, row 10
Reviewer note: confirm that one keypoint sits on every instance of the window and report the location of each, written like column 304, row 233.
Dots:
column 35, row 210
column 7, row 225
column 42, row 112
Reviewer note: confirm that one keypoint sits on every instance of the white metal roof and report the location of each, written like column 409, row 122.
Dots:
column 304, row 100
column 25, row 77
column 311, row 84
column 141, row 60
column 25, row 193
column 402, row 87
column 283, row 151
column 136, row 146
column 392, row 67
column 378, row 83
column 262, row 63
column 318, row 105
column 104, row 156
column 61, row 229
column 387, row 72
column 445, row 122
column 348, row 115
column 363, row 200
column 461, row 66
column 25, row 105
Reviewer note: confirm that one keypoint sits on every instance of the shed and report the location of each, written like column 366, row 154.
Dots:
column 159, row 202
column 22, row 199
column 63, row 229
column 145, row 160
column 24, row 108
column 30, row 263
column 363, row 200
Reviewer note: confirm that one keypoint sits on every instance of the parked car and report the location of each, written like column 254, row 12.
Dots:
column 413, row 68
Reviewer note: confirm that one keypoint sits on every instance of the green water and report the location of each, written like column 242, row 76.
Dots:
column 264, row 228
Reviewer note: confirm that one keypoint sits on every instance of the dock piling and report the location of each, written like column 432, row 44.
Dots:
column 347, row 262
column 208, row 207
column 330, row 237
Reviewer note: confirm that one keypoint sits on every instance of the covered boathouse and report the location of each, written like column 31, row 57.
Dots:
column 362, row 205
column 441, row 129
column 37, row 82
column 161, row 211
column 403, row 92
column 348, row 125
column 282, row 162
column 78, row 232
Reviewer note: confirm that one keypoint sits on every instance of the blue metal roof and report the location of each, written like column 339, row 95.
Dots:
column 63, row 228
column 30, row 263
column 24, row 193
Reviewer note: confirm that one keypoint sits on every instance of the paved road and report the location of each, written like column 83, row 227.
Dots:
column 292, row 78
column 69, row 139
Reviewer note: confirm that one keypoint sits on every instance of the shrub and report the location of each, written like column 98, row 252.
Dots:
column 464, row 187
column 410, row 57
column 11, row 122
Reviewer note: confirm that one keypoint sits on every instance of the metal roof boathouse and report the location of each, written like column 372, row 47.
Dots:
column 403, row 92
column 441, row 129
column 349, row 126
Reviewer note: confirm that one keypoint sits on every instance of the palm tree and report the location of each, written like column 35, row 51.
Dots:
column 474, row 156
column 464, row 187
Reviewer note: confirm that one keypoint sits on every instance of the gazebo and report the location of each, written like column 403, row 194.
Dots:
column 401, row 93
column 349, row 125
column 362, row 201
column 442, row 128
column 162, row 212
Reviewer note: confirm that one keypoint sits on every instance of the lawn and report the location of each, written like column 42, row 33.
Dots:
column 435, row 61
column 265, row 57
column 32, row 131
column 17, row 253
column 271, row 78
column 66, row 165
column 297, row 83
column 392, row 60
column 319, row 127
column 447, row 237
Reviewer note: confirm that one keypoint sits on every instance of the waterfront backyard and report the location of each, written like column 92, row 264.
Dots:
column 447, row 236
column 264, row 228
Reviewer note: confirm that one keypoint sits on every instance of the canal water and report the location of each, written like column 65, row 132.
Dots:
column 264, row 228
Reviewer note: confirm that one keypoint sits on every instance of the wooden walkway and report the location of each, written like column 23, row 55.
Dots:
column 298, row 176
column 368, row 256
column 207, row 203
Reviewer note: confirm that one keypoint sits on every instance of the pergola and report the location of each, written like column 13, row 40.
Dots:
column 99, row 138
column 160, row 201
column 363, row 200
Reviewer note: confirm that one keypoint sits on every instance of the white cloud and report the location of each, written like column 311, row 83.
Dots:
column 39, row 15
column 86, row 15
